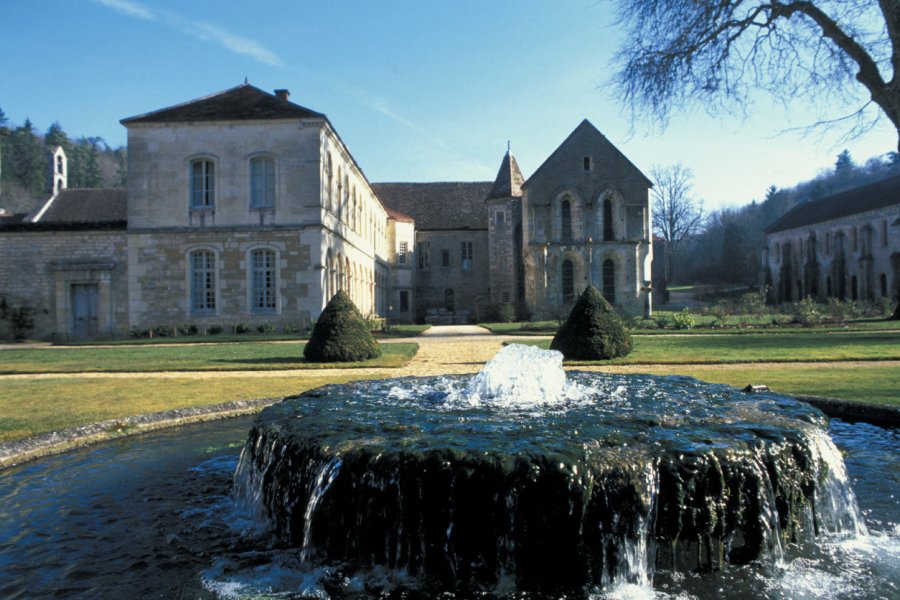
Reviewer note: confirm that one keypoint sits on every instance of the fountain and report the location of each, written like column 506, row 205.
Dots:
column 523, row 480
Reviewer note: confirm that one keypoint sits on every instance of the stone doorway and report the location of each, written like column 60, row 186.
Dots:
column 85, row 322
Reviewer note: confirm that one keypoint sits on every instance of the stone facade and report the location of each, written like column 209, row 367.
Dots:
column 244, row 208
column 845, row 246
column 50, row 270
column 586, row 220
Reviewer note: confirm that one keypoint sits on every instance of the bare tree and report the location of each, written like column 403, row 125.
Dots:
column 677, row 214
column 679, row 52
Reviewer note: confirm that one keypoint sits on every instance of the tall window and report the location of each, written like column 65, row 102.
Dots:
column 404, row 301
column 607, row 221
column 263, row 283
column 466, row 255
column 262, row 183
column 449, row 300
column 609, row 281
column 566, row 212
column 445, row 258
column 424, row 256
column 402, row 249
column 203, row 281
column 202, row 184
column 568, row 282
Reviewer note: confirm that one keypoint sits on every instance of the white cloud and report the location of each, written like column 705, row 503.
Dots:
column 201, row 30
column 126, row 7
column 235, row 43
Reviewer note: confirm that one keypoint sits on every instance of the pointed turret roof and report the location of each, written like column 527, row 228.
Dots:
column 508, row 183
column 241, row 103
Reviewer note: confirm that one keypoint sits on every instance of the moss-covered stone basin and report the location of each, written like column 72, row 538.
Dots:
column 623, row 475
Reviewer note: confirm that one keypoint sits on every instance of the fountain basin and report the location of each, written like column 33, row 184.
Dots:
column 622, row 477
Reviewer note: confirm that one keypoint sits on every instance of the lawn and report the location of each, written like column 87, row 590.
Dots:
column 38, row 405
column 734, row 325
column 759, row 347
column 870, row 382
column 258, row 356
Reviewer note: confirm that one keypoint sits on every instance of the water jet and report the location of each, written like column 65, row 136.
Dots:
column 524, row 479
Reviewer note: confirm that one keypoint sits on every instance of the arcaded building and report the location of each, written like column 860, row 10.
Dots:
column 845, row 246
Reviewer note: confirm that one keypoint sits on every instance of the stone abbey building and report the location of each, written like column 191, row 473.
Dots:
column 244, row 207
column 844, row 246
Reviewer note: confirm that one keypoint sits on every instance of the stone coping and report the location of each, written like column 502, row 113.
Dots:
column 56, row 442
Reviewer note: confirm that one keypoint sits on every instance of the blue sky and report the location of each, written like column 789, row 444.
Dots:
column 420, row 90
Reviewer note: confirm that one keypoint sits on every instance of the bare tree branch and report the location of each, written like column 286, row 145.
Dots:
column 679, row 52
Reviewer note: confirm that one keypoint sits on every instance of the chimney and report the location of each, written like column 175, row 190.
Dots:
column 282, row 94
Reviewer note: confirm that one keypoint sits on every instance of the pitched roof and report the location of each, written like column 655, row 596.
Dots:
column 442, row 205
column 587, row 128
column 83, row 206
column 873, row 196
column 508, row 183
column 396, row 215
column 241, row 103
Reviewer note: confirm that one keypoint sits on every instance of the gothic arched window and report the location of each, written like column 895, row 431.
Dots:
column 609, row 281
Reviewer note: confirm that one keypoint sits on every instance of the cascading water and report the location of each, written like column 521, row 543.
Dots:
column 521, row 478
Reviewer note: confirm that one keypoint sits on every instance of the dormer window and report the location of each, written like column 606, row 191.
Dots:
column 202, row 184
column 262, row 183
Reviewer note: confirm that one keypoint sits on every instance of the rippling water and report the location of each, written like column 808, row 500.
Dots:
column 152, row 516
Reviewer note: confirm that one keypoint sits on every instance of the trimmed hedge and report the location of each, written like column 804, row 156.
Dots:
column 341, row 334
column 593, row 331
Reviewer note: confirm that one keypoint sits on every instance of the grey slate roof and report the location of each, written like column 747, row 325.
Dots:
column 508, row 183
column 873, row 196
column 85, row 206
column 436, row 206
column 241, row 103
column 587, row 128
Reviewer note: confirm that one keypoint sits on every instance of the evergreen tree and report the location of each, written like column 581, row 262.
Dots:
column 593, row 331
column 25, row 160
column 341, row 334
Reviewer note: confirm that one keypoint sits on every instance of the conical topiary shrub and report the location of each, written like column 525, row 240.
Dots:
column 593, row 330
column 341, row 334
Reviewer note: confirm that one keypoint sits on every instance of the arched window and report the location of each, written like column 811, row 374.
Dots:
column 59, row 165
column 566, row 214
column 263, row 283
column 884, row 290
column 568, row 282
column 329, row 180
column 449, row 300
column 608, row 235
column 203, row 281
column 202, row 184
column 262, row 182
column 609, row 281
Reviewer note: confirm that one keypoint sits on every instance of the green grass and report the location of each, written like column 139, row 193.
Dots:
column 873, row 382
column 758, row 347
column 734, row 325
column 216, row 357
column 39, row 405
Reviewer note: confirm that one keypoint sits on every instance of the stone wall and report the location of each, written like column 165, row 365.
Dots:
column 159, row 278
column 467, row 283
column 39, row 268
column 851, row 258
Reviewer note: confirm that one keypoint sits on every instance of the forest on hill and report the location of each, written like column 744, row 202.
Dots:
column 24, row 163
column 727, row 248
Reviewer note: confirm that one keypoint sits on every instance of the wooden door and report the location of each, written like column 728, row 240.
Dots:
column 84, row 311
